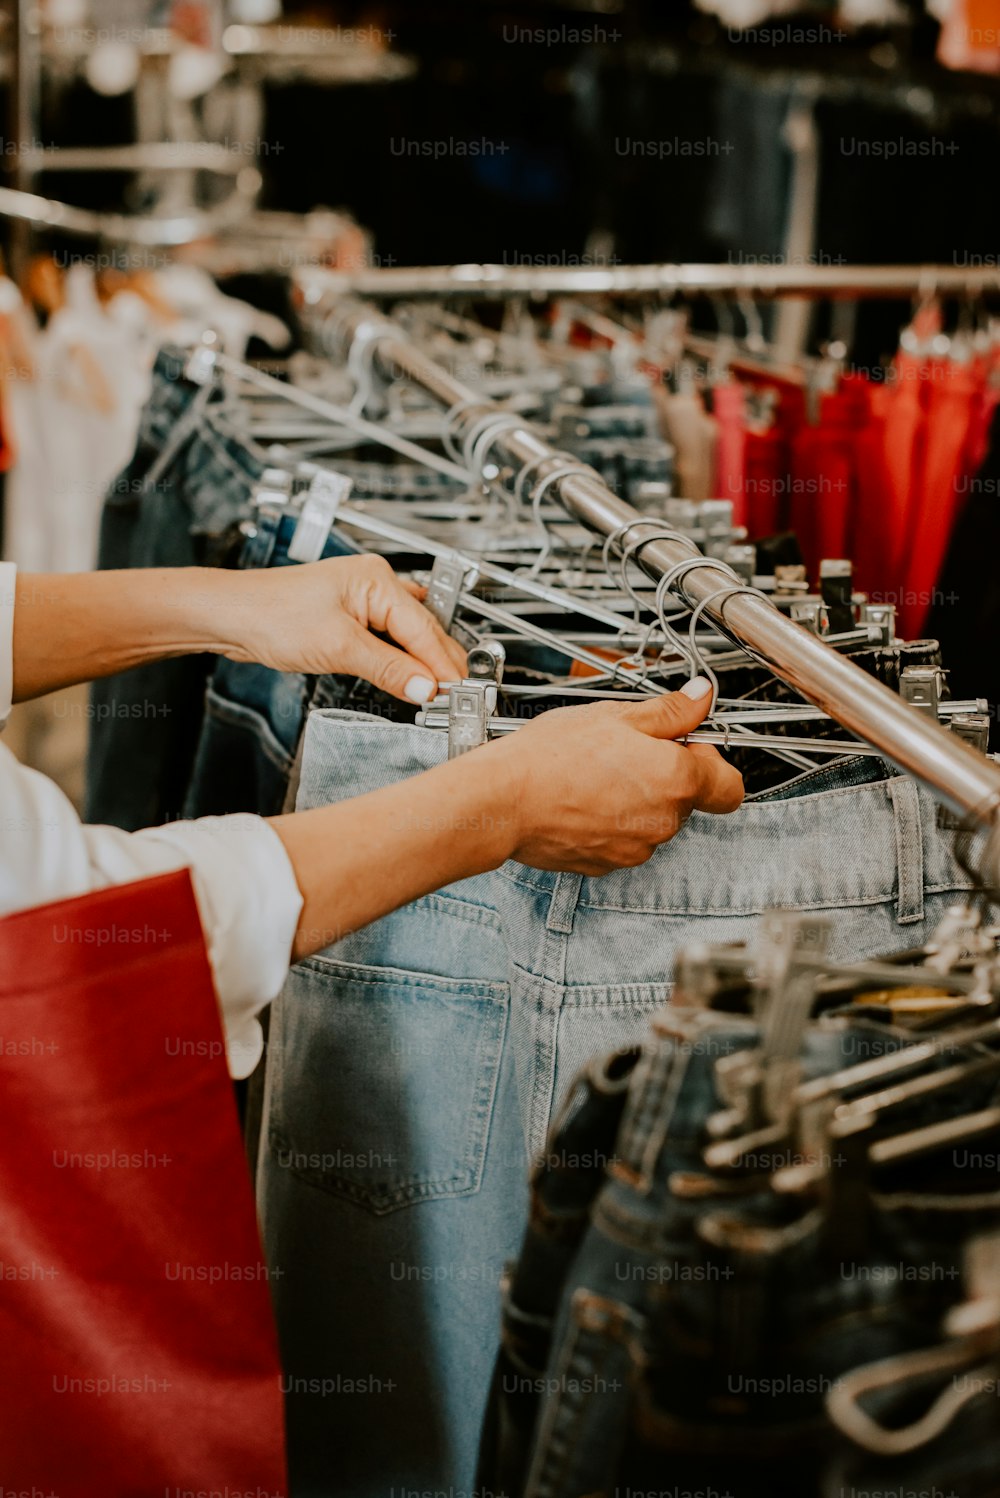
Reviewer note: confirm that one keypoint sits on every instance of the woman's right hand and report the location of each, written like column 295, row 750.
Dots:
column 585, row 789
column 600, row 787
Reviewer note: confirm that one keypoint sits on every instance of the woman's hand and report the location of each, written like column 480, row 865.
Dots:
column 73, row 627
column 319, row 618
column 586, row 789
column 600, row 787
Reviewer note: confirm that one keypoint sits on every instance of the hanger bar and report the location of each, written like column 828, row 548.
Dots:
column 721, row 738
column 123, row 228
column 339, row 414
column 955, row 773
column 354, row 518
column 847, row 281
column 145, row 156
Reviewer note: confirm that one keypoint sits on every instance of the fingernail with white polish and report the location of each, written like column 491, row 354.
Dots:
column 419, row 689
column 696, row 687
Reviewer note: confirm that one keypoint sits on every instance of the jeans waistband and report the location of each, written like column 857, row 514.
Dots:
column 853, row 845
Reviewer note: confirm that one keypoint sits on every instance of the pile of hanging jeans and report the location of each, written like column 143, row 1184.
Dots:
column 414, row 1068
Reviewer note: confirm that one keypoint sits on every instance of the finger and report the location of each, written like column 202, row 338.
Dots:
column 720, row 787
column 397, row 673
column 674, row 715
column 417, row 589
column 396, row 612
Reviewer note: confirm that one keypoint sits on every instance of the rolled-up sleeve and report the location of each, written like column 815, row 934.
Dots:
column 243, row 880
column 247, row 896
column 8, row 581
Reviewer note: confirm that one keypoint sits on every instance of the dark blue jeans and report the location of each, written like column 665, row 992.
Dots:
column 187, row 482
column 702, row 1321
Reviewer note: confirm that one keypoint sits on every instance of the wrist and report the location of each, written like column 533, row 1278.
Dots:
column 217, row 612
column 472, row 802
column 504, row 783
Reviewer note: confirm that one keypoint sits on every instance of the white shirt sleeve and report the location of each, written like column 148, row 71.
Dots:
column 8, row 579
column 243, row 880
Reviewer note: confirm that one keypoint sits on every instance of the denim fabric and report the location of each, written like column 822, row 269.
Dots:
column 415, row 1066
column 704, row 1319
column 565, row 1181
column 626, row 462
column 186, row 481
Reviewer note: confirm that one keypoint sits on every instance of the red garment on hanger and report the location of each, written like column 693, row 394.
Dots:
column 768, row 456
column 766, row 465
column 729, row 410
column 874, row 541
column 984, row 404
column 137, row 1348
column 949, row 396
column 904, row 427
column 823, row 482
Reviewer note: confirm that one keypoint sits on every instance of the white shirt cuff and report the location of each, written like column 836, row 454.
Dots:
column 250, row 904
column 8, row 593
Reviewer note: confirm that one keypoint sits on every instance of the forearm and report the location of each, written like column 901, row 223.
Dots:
column 359, row 860
column 74, row 627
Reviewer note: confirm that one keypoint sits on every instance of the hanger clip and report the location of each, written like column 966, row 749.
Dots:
column 881, row 617
column 811, row 614
column 273, row 489
column 326, row 493
column 472, row 702
column 447, row 579
column 921, row 686
column 974, row 728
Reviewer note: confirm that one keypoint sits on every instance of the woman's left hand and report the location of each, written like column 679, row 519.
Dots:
column 319, row 618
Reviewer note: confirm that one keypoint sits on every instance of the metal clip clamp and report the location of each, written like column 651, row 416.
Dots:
column 472, row 702
column 447, row 579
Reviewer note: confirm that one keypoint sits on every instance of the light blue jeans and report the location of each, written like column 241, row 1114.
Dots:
column 414, row 1069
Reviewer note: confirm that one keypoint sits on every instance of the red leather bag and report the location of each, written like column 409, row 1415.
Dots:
column 137, row 1348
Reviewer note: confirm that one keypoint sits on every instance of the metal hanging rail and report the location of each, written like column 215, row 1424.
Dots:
column 956, row 774
column 149, row 231
column 827, row 281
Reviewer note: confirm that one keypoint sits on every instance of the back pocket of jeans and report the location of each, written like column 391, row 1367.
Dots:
column 383, row 1081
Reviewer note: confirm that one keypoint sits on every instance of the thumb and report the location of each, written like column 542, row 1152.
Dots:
column 397, row 673
column 673, row 716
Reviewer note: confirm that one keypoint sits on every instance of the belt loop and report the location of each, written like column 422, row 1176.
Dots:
column 909, row 849
column 562, row 906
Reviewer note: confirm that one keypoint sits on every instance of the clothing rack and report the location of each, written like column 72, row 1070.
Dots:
column 956, row 774
column 148, row 231
column 836, row 282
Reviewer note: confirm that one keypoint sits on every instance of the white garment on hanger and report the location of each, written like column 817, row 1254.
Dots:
column 872, row 12
column 74, row 426
column 742, row 15
column 200, row 304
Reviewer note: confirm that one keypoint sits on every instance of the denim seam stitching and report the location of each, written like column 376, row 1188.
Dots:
column 476, row 912
column 623, row 995
column 552, row 1442
column 238, row 715
column 405, row 1192
column 830, row 902
column 479, row 988
column 906, row 809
